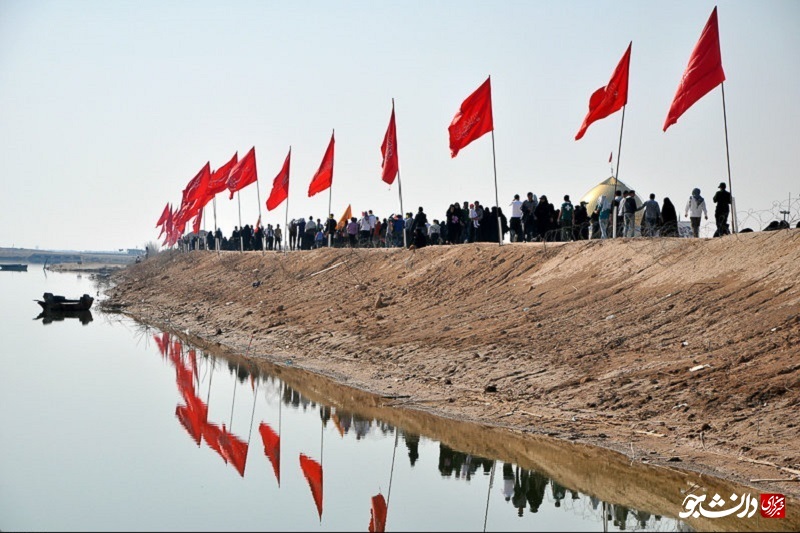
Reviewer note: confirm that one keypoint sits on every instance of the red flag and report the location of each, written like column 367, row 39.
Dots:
column 197, row 186
column 377, row 514
column 324, row 176
column 312, row 470
column 280, row 185
column 163, row 217
column 219, row 178
column 390, row 165
column 703, row 73
column 611, row 98
column 243, row 172
column 197, row 218
column 272, row 448
column 473, row 119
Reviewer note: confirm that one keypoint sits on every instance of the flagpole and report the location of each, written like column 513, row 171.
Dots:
column 263, row 235
column 285, row 231
column 496, row 197
column 399, row 185
column 216, row 244
column 241, row 240
column 330, row 193
column 734, row 222
column 616, row 173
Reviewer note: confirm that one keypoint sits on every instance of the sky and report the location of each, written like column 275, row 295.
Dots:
column 108, row 108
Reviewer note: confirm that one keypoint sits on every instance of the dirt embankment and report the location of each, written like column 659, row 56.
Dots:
column 685, row 350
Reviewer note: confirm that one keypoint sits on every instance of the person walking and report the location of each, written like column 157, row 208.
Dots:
column 516, row 219
column 629, row 210
column 567, row 218
column 695, row 208
column 723, row 200
column 652, row 212
column 603, row 210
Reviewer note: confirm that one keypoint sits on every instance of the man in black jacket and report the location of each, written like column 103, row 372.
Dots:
column 723, row 200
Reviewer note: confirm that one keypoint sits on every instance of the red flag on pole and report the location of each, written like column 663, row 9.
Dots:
column 196, row 188
column 611, row 155
column 197, row 218
column 390, row 164
column 243, row 173
column 219, row 178
column 324, row 176
column 703, row 73
column 312, row 470
column 611, row 98
column 163, row 217
column 280, row 185
column 474, row 118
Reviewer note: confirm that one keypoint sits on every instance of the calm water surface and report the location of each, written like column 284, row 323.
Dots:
column 111, row 426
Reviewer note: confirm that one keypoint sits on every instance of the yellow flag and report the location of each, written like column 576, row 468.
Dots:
column 348, row 213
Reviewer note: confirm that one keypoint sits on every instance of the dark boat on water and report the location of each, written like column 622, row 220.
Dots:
column 59, row 303
column 17, row 267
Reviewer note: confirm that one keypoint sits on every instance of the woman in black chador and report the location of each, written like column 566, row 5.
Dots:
column 669, row 219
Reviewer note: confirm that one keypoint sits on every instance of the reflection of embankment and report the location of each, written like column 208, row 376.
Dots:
column 597, row 472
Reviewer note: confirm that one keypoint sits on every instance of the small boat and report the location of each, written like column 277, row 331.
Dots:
column 59, row 303
column 18, row 267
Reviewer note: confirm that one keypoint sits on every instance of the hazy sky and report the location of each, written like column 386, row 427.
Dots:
column 108, row 108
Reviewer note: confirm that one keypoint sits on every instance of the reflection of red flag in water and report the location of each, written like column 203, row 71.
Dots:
column 192, row 419
column 337, row 423
column 234, row 450
column 703, row 73
column 272, row 447
column 211, row 434
column 377, row 518
column 473, row 120
column 162, row 341
column 312, row 470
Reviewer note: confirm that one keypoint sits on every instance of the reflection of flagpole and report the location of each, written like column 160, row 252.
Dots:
column 391, row 473
column 488, row 492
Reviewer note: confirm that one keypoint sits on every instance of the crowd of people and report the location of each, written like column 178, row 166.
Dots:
column 534, row 219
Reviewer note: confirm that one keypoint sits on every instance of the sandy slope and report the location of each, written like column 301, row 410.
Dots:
column 594, row 342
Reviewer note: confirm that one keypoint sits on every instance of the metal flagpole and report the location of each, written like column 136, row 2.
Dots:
column 285, row 231
column 330, row 194
column 616, row 174
column 496, row 197
column 216, row 244
column 263, row 233
column 241, row 240
column 400, row 186
column 734, row 222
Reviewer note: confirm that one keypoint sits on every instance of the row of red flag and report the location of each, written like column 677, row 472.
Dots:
column 472, row 121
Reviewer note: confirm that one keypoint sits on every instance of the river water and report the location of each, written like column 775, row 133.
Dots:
column 109, row 425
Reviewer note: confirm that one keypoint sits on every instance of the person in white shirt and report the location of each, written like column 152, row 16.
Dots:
column 695, row 207
column 516, row 219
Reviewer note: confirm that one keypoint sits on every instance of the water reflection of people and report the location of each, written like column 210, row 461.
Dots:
column 508, row 481
column 518, row 499
column 537, row 484
column 559, row 492
column 412, row 443
column 620, row 516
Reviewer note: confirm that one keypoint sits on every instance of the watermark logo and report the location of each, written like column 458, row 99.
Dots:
column 695, row 506
column 773, row 506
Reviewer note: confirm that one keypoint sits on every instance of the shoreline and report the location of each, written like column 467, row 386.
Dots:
column 444, row 328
